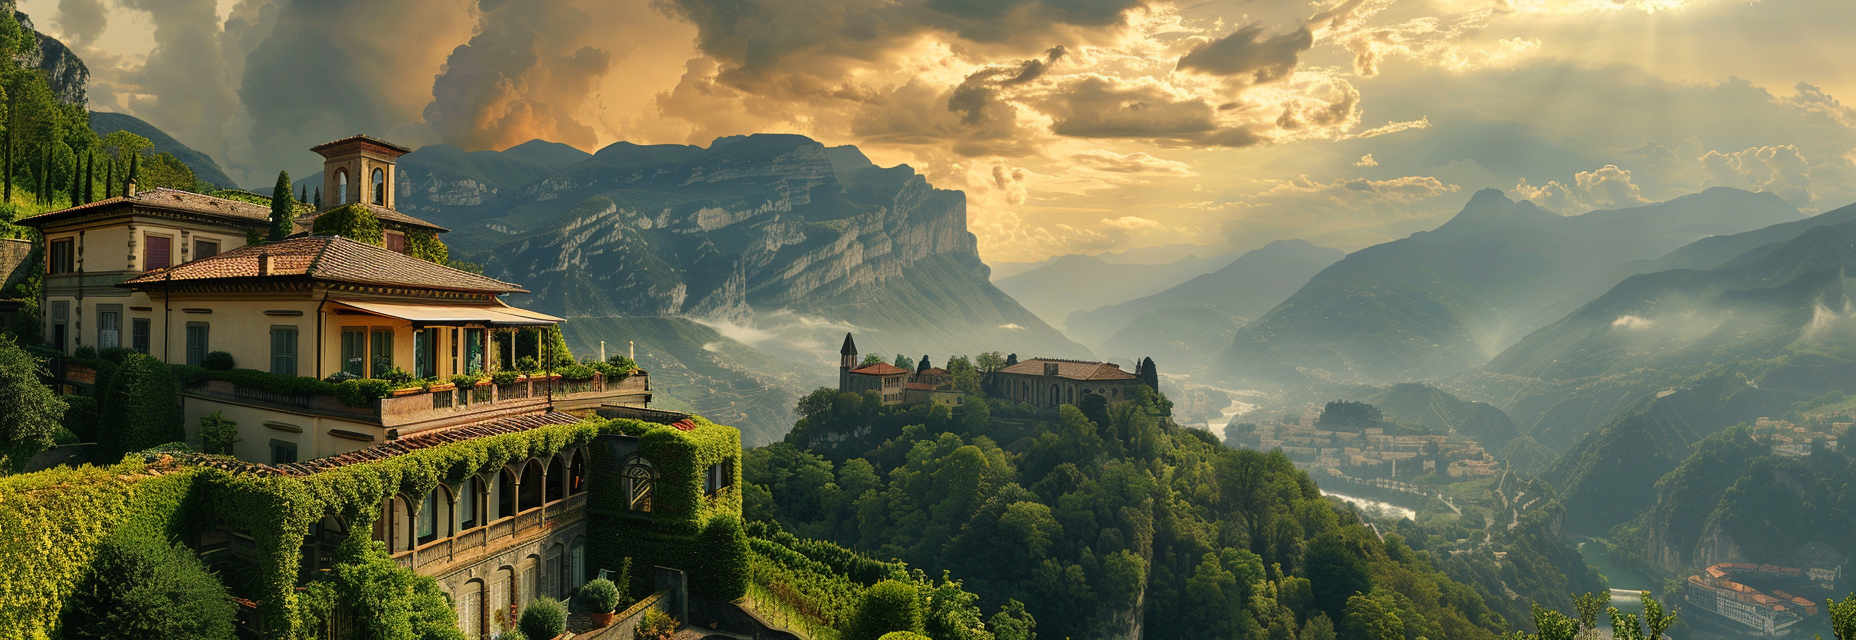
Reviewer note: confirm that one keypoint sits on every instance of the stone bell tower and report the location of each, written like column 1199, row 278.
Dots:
column 358, row 168
column 847, row 360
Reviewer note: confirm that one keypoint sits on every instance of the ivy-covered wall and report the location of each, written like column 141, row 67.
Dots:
column 686, row 529
column 52, row 522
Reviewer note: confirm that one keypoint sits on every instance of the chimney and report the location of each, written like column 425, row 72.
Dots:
column 1050, row 368
column 264, row 264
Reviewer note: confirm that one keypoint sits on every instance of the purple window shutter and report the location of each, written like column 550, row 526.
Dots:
column 157, row 253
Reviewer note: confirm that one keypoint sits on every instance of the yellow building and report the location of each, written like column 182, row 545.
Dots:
column 171, row 274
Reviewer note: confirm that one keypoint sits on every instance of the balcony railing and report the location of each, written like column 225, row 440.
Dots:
column 415, row 407
column 476, row 542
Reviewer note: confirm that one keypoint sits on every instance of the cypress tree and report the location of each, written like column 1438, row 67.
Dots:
column 109, row 180
column 1149, row 376
column 135, row 165
column 44, row 191
column 11, row 120
column 77, row 185
column 318, row 198
column 282, row 207
column 303, row 194
column 90, row 179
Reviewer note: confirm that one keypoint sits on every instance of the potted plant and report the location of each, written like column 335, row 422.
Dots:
column 543, row 619
column 599, row 599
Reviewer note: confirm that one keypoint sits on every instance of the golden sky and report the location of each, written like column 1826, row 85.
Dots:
column 1074, row 126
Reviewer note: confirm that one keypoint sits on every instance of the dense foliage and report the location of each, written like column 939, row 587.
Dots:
column 1100, row 516
column 141, row 586
column 890, row 606
column 33, row 412
column 386, row 602
column 353, row 222
column 543, row 619
column 142, row 403
column 283, row 208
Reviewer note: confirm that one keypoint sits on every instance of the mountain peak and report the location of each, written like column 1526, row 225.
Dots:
column 1487, row 209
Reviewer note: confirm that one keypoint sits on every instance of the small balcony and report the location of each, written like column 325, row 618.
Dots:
column 417, row 409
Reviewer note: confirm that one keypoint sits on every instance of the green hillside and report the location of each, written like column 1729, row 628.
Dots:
column 204, row 168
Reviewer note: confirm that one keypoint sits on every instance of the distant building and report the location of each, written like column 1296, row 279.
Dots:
column 1041, row 382
column 1049, row 382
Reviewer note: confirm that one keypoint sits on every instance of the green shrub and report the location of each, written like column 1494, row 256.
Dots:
column 598, row 595
column 905, row 635
column 543, row 619
column 253, row 379
column 217, row 433
column 140, row 408
column 891, row 605
column 463, row 381
column 725, row 577
column 139, row 586
column 504, row 377
column 655, row 625
column 426, row 246
column 33, row 412
column 528, row 365
column 575, row 372
column 353, row 222
column 85, row 352
column 361, row 392
column 397, row 376
column 392, row 603
column 217, row 361
column 115, row 354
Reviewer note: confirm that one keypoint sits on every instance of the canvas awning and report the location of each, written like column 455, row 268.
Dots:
column 431, row 314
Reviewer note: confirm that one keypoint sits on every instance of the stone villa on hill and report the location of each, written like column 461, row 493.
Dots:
column 1040, row 382
column 175, row 275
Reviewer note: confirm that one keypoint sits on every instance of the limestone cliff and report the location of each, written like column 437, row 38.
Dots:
column 64, row 71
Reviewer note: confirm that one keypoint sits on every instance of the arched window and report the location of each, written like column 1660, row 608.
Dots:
column 468, row 513
column 505, row 493
column 576, row 473
column 1071, row 394
column 394, row 526
column 341, row 186
column 1024, row 391
column 429, row 513
column 1055, row 395
column 470, row 607
column 640, row 483
column 557, row 479
column 531, row 487
column 319, row 545
column 380, row 187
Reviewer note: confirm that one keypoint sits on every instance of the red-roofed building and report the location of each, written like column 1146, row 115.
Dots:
column 171, row 274
column 1050, row 382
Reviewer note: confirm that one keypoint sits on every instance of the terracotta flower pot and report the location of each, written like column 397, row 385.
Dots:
column 407, row 391
column 603, row 619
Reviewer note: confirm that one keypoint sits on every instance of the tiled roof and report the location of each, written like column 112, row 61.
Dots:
column 1072, row 369
column 329, row 259
column 391, row 448
column 169, row 200
column 932, row 371
column 360, row 137
column 880, row 369
column 919, row 386
column 383, row 213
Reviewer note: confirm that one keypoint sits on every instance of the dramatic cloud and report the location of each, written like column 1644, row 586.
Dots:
column 1133, row 163
column 1242, row 53
column 521, row 77
column 82, row 21
column 1780, row 170
column 1608, row 187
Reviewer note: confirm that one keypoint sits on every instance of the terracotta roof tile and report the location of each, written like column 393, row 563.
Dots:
column 168, row 200
column 391, row 448
column 1072, row 369
column 879, row 369
column 326, row 258
column 360, row 137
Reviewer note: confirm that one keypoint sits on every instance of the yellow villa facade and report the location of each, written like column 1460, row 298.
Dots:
column 175, row 275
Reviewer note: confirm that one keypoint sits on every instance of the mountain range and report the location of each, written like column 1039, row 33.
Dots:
column 735, row 268
column 1176, row 324
column 1073, row 283
column 204, row 168
column 1448, row 300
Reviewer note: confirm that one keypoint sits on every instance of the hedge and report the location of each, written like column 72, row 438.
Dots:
column 55, row 521
column 359, row 392
column 64, row 515
column 140, row 407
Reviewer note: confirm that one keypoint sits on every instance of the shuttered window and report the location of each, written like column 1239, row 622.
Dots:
column 283, row 350
column 160, row 251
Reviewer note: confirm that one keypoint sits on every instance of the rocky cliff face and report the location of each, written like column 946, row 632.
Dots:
column 65, row 71
column 775, row 241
